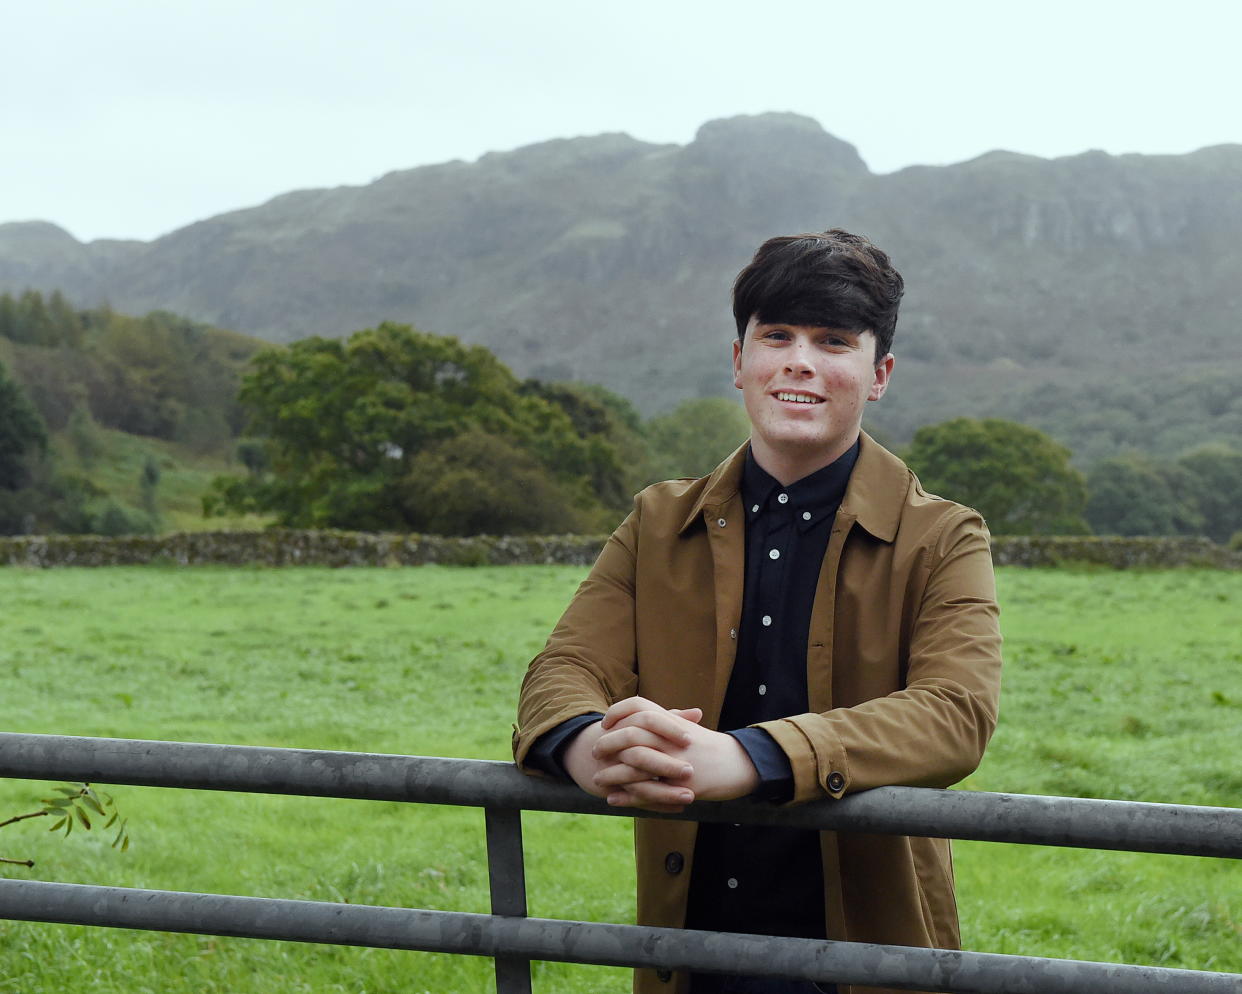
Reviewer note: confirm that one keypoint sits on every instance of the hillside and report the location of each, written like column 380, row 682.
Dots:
column 140, row 413
column 1095, row 296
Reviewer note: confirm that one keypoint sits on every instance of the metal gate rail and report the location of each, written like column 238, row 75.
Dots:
column 513, row 939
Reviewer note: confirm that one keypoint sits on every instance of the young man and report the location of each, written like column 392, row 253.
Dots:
column 803, row 623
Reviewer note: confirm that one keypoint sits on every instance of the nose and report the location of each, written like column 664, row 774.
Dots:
column 797, row 361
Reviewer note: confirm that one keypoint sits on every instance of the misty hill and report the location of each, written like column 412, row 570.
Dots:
column 1094, row 296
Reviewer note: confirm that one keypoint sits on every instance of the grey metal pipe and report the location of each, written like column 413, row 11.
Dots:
column 585, row 942
column 1032, row 819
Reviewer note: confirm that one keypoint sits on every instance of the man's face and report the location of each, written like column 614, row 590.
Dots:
column 805, row 389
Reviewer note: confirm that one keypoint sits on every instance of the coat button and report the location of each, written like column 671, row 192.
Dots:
column 664, row 976
column 836, row 781
column 721, row 522
column 674, row 862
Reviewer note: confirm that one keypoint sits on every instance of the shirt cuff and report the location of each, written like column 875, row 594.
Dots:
column 549, row 749
column 776, row 779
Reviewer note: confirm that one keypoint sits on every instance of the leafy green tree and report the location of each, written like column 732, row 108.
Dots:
column 617, row 451
column 8, row 316
column 475, row 483
column 148, row 485
column 23, row 436
column 84, row 434
column 1129, row 495
column 1017, row 477
column 347, row 423
column 1213, row 476
column 695, row 436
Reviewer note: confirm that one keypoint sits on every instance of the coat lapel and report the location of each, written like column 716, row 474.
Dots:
column 719, row 510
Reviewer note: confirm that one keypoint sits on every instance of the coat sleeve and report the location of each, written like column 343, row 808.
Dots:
column 588, row 662
column 933, row 731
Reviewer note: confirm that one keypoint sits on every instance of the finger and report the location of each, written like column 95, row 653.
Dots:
column 653, row 795
column 665, row 724
column 627, row 707
column 642, row 764
column 690, row 714
column 625, row 737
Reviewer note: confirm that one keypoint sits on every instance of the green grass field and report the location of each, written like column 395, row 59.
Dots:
column 1123, row 685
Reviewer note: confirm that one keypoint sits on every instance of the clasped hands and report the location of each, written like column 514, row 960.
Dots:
column 645, row 756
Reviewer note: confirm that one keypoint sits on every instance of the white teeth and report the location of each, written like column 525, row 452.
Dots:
column 797, row 398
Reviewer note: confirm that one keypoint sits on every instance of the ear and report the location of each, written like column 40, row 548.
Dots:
column 737, row 363
column 883, row 372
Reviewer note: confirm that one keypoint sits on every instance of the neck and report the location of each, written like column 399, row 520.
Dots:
column 789, row 467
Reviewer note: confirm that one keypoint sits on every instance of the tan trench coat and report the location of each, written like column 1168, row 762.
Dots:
column 903, row 675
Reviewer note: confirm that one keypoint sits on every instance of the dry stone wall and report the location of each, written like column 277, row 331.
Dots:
column 336, row 548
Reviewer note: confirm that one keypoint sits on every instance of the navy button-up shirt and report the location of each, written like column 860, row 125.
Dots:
column 750, row 878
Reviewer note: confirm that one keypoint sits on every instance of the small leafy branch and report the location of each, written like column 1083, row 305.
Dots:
column 76, row 803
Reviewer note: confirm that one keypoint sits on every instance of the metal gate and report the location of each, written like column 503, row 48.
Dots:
column 513, row 939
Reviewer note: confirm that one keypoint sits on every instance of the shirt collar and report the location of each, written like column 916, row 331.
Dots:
column 875, row 496
column 809, row 500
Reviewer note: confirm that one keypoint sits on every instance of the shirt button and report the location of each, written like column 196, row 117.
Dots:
column 732, row 882
column 763, row 689
column 674, row 862
column 774, row 553
column 754, row 508
column 767, row 620
column 806, row 515
column 783, row 498
column 720, row 522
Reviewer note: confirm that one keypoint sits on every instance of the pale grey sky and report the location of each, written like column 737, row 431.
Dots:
column 130, row 118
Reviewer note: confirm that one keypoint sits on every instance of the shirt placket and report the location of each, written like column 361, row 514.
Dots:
column 773, row 575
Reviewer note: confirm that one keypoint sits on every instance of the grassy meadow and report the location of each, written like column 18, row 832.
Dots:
column 1124, row 685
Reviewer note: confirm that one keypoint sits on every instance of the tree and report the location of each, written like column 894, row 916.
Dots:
column 475, row 483
column 1130, row 495
column 695, row 436
column 22, row 434
column 148, row 485
column 1017, row 477
column 353, row 430
column 1213, row 477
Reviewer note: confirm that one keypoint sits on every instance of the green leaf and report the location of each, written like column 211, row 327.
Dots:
column 125, row 844
column 86, row 822
column 88, row 799
column 111, row 821
column 69, row 791
column 57, row 825
column 58, row 802
column 120, row 834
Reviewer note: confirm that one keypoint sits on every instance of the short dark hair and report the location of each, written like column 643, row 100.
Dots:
column 829, row 280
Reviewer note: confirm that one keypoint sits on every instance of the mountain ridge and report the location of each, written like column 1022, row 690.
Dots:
column 609, row 259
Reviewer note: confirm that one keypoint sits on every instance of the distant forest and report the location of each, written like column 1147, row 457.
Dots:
column 394, row 429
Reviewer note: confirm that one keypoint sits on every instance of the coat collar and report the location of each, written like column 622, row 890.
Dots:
column 877, row 490
column 874, row 498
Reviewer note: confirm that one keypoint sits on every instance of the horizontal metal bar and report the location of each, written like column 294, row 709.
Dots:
column 1032, row 819
column 587, row 942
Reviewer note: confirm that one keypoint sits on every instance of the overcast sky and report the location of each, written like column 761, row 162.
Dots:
column 130, row 118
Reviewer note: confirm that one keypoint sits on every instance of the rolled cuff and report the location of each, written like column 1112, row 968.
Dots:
column 819, row 764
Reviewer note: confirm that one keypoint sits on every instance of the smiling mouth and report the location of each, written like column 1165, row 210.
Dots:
column 798, row 398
